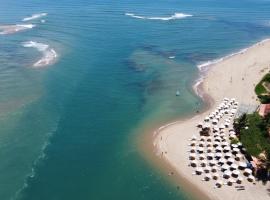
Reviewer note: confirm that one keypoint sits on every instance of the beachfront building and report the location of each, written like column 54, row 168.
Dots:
column 264, row 109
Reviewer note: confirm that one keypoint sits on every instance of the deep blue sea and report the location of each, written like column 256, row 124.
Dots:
column 68, row 129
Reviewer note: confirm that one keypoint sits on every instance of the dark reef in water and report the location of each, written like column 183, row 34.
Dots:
column 156, row 51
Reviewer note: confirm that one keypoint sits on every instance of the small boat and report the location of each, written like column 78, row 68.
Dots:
column 177, row 93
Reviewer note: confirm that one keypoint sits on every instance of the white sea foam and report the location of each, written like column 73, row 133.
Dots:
column 204, row 66
column 172, row 17
column 10, row 29
column 49, row 54
column 35, row 16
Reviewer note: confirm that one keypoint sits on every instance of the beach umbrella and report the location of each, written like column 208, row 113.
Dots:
column 234, row 145
column 193, row 149
column 242, row 165
column 203, row 163
column 200, row 149
column 212, row 162
column 227, row 174
column 208, row 139
column 206, row 119
column 236, row 150
column 228, row 155
column 199, row 170
column 227, row 124
column 218, row 155
column 200, row 125
column 215, row 176
column 209, row 149
column 238, row 156
column 230, row 160
column 239, row 180
column 211, row 116
column 192, row 156
column 201, row 144
column 202, row 138
column 225, row 99
column 217, row 139
column 236, row 103
column 222, row 135
column 226, row 149
column 234, row 166
column 216, row 144
column 223, row 144
column 218, row 149
column 192, row 143
column 210, row 155
column 219, row 184
column 251, row 178
column 230, row 181
column 207, row 169
column 239, row 144
column 202, row 156
column 206, row 126
column 215, row 121
column 214, row 169
column 235, row 173
column 233, row 99
column 231, row 131
column 247, row 171
column 225, row 167
column 193, row 163
column 207, row 177
column 221, row 161
column 222, row 126
column 208, row 144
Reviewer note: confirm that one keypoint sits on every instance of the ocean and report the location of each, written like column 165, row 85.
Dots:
column 81, row 81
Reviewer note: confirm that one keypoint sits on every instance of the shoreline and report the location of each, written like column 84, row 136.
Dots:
column 163, row 138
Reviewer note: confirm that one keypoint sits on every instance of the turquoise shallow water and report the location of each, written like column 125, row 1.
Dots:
column 67, row 131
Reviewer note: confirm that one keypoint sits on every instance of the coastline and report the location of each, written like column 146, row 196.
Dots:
column 170, row 141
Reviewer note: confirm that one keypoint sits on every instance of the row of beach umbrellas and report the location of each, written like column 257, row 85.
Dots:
column 213, row 156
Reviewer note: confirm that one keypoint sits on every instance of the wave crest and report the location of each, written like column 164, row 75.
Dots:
column 10, row 29
column 172, row 17
column 34, row 16
column 49, row 54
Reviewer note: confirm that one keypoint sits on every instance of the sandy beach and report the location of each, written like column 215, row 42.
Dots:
column 233, row 77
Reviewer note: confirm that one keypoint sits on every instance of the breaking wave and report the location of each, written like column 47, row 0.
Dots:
column 172, row 17
column 49, row 54
column 10, row 29
column 204, row 67
column 34, row 16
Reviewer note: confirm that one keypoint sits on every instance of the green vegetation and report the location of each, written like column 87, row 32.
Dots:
column 253, row 133
column 261, row 91
column 234, row 141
